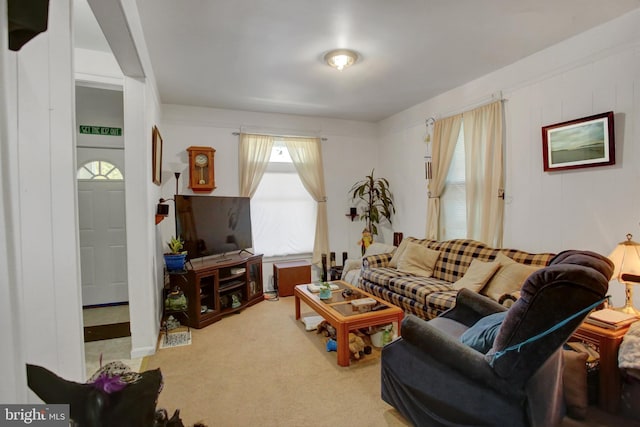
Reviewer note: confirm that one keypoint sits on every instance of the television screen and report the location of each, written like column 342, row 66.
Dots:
column 213, row 225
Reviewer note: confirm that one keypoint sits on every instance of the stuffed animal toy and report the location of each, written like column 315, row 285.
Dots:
column 356, row 345
column 367, row 239
column 326, row 329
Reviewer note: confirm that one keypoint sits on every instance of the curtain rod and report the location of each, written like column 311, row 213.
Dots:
column 281, row 136
column 496, row 96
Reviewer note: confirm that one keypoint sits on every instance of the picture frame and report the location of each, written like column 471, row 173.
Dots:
column 581, row 143
column 156, row 155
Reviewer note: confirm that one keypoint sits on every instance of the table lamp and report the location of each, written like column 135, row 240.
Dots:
column 626, row 258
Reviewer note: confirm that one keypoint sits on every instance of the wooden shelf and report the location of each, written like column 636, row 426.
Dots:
column 210, row 283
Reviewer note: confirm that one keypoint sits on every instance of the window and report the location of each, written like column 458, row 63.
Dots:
column 99, row 170
column 283, row 214
column 453, row 202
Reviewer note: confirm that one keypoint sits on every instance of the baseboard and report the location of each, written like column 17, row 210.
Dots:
column 142, row 352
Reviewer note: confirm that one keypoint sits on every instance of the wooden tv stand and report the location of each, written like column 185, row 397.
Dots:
column 212, row 284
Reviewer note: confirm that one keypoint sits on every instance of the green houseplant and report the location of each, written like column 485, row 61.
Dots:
column 375, row 199
column 176, row 258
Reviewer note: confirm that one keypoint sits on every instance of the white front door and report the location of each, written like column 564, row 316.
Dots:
column 101, row 217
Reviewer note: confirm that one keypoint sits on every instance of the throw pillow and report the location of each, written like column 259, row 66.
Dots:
column 418, row 260
column 477, row 275
column 574, row 378
column 398, row 253
column 509, row 277
column 481, row 335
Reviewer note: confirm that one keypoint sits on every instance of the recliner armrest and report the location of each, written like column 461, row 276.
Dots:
column 449, row 351
column 471, row 307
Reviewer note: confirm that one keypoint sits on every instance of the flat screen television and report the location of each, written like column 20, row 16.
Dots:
column 212, row 225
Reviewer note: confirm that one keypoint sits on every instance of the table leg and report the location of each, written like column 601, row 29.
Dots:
column 297, row 301
column 610, row 382
column 342, row 337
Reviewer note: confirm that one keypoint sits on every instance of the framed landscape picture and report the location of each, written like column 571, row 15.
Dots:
column 579, row 143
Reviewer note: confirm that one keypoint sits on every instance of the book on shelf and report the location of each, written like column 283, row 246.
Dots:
column 610, row 319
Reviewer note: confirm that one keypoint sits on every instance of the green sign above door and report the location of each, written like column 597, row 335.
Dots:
column 100, row 130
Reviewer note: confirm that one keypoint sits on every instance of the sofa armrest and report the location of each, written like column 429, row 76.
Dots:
column 376, row 261
column 471, row 307
column 351, row 264
column 448, row 351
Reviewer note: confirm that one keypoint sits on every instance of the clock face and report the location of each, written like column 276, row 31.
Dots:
column 201, row 160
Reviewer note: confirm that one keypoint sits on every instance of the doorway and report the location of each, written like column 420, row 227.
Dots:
column 101, row 218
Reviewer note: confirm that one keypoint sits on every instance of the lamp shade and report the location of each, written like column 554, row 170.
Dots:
column 626, row 258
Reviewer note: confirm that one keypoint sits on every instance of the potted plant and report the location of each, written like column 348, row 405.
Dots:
column 176, row 258
column 325, row 290
column 376, row 200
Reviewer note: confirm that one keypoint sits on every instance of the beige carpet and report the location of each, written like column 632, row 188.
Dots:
column 260, row 367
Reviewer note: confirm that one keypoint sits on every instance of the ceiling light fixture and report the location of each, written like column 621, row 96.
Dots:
column 341, row 58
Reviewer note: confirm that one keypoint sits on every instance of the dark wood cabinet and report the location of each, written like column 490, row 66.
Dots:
column 288, row 274
column 220, row 286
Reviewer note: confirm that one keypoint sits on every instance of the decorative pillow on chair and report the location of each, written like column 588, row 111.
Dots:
column 483, row 333
column 509, row 278
column 418, row 260
column 477, row 275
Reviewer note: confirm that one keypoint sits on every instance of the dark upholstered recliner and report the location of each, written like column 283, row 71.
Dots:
column 433, row 379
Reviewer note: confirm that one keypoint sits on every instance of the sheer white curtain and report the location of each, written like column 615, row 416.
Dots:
column 483, row 135
column 306, row 154
column 254, row 154
column 445, row 136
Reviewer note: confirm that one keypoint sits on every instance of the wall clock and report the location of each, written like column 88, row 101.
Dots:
column 201, row 170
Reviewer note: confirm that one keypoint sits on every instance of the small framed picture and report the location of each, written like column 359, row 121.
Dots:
column 579, row 143
column 156, row 154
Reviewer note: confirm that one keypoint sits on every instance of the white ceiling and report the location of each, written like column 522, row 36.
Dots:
column 266, row 55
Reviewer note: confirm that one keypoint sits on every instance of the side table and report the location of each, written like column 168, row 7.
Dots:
column 607, row 342
column 288, row 274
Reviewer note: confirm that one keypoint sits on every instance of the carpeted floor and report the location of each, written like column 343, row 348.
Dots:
column 260, row 367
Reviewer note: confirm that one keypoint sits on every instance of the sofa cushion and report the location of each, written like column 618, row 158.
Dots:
column 418, row 260
column 456, row 256
column 381, row 276
column 477, row 275
column 509, row 278
column 416, row 287
column 398, row 253
column 441, row 300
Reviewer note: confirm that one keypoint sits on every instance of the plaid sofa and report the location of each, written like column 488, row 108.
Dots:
column 427, row 297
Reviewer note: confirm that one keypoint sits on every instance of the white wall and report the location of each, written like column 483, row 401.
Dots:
column 348, row 154
column 14, row 388
column 591, row 208
column 42, row 223
column 141, row 113
column 99, row 107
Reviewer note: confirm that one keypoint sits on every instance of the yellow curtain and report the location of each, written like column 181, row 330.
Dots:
column 483, row 140
column 306, row 154
column 445, row 136
column 253, row 158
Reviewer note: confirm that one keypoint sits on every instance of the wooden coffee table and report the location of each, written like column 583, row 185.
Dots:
column 344, row 317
